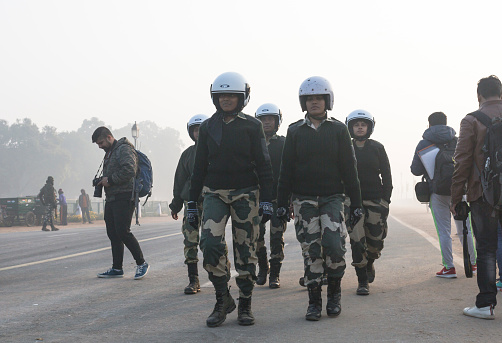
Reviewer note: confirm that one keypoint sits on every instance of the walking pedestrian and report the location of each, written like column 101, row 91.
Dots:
column 47, row 196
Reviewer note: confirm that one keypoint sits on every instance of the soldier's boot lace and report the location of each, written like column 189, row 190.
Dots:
column 245, row 315
column 193, row 277
column 274, row 281
column 261, row 278
column 224, row 305
column 315, row 302
column 333, row 306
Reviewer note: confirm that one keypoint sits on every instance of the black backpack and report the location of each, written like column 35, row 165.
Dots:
column 491, row 175
column 443, row 168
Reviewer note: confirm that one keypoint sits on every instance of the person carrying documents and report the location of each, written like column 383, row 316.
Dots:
column 433, row 159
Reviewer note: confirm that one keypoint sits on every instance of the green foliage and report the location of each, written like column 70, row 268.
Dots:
column 29, row 155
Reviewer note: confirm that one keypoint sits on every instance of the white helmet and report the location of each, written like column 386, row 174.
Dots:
column 231, row 82
column 360, row 115
column 316, row 85
column 269, row 109
column 196, row 120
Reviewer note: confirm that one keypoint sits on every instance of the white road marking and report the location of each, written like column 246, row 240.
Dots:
column 432, row 240
column 233, row 273
column 79, row 254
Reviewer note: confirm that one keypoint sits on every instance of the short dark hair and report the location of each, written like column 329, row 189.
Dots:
column 489, row 87
column 437, row 118
column 101, row 132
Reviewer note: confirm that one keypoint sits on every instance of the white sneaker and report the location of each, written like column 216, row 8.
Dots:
column 483, row 312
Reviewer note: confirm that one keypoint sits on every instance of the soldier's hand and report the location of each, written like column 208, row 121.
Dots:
column 193, row 214
column 283, row 214
column 265, row 211
column 356, row 213
column 174, row 215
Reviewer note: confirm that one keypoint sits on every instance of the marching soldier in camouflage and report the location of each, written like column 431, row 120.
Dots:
column 318, row 168
column 376, row 188
column 271, row 117
column 232, row 168
column 47, row 196
column 180, row 198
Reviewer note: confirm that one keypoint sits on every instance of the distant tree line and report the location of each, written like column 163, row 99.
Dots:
column 29, row 154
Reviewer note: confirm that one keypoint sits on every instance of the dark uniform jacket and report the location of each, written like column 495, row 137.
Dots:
column 318, row 162
column 373, row 170
column 240, row 160
column 182, row 179
column 120, row 166
column 47, row 195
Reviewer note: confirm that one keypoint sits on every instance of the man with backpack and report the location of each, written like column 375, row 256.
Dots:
column 120, row 166
column 443, row 137
column 476, row 162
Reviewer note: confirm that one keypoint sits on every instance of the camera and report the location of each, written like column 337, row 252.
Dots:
column 98, row 189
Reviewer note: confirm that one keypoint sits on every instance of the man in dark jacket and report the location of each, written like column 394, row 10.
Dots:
column 181, row 193
column 47, row 196
column 271, row 117
column 440, row 134
column 469, row 162
column 120, row 166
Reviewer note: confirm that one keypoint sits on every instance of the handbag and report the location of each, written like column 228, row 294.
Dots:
column 422, row 191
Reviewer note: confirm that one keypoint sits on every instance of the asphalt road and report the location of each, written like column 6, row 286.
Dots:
column 49, row 292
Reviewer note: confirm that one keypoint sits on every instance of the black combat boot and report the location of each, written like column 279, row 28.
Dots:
column 302, row 282
column 315, row 302
column 333, row 307
column 53, row 228
column 44, row 228
column 363, row 287
column 261, row 278
column 245, row 315
column 370, row 268
column 224, row 305
column 193, row 275
column 274, row 281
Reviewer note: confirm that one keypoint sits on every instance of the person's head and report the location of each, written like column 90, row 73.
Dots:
column 194, row 124
column 360, row 124
column 271, row 118
column 316, row 96
column 103, row 137
column 437, row 118
column 489, row 88
column 50, row 180
column 60, row 191
column 82, row 191
column 230, row 93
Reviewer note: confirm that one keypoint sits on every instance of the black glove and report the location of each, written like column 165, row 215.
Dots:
column 193, row 214
column 265, row 211
column 283, row 214
column 356, row 213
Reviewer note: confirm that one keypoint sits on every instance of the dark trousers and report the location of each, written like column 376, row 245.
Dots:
column 485, row 222
column 118, row 216
column 85, row 214
column 63, row 214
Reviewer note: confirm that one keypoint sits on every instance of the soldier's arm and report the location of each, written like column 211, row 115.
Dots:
column 263, row 165
column 285, row 182
column 180, row 178
column 200, row 164
column 385, row 173
column 348, row 168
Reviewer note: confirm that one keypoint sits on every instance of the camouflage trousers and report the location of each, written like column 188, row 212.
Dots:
column 369, row 232
column 277, row 229
column 191, row 237
column 48, row 216
column 321, row 231
column 241, row 205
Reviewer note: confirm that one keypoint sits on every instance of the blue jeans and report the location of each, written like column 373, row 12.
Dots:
column 499, row 251
column 485, row 223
